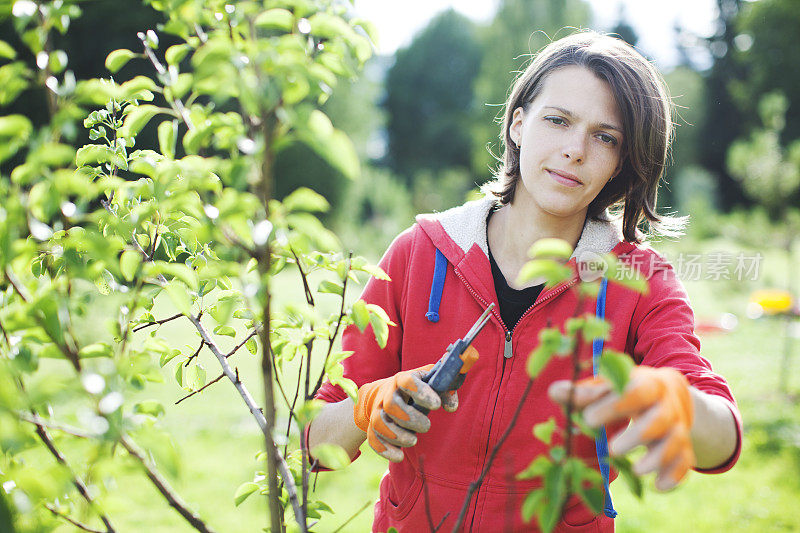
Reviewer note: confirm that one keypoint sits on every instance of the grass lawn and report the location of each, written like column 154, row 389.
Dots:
column 216, row 440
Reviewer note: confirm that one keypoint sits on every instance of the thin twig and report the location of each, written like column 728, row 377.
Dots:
column 174, row 103
column 477, row 483
column 72, row 521
column 238, row 346
column 426, row 497
column 157, row 322
column 201, row 389
column 195, row 354
column 69, row 353
column 338, row 529
column 283, row 468
column 336, row 330
column 83, row 490
column 163, row 487
column 304, row 277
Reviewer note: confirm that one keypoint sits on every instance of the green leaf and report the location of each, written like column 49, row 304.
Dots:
column 138, row 119
column 531, row 505
column 376, row 272
column 544, row 431
column 129, row 263
column 593, row 496
column 330, row 287
column 537, row 468
column 6, row 51
column 331, row 456
column 14, row 133
column 197, row 376
column 537, row 360
column 304, row 199
column 92, row 154
column 595, row 328
column 179, row 374
column 360, row 315
column 177, row 294
column 176, row 53
column 616, row 366
column 244, row 491
column 624, row 467
column 118, row 58
column 222, row 329
column 166, row 357
column 100, row 349
column 550, row 248
column 149, row 407
column 555, row 489
column 381, row 330
column 252, row 345
column 168, row 137
column 553, row 272
column 277, row 19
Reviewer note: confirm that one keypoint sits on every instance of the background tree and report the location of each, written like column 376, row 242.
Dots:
column 518, row 29
column 430, row 97
column 723, row 121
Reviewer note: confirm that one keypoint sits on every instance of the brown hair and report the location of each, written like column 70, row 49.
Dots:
column 643, row 100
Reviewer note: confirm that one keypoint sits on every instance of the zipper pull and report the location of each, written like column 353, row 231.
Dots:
column 507, row 353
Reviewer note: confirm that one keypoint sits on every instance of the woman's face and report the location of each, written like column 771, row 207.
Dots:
column 570, row 139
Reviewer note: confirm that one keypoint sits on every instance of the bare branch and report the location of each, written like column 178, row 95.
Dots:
column 236, row 348
column 41, row 432
column 157, row 322
column 304, row 277
column 176, row 103
column 340, row 528
column 336, row 330
column 201, row 389
column 477, row 483
column 283, row 468
column 72, row 521
column 70, row 353
column 163, row 487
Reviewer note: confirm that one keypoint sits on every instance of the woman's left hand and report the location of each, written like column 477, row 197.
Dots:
column 658, row 402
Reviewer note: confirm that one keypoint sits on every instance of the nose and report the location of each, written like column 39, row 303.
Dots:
column 574, row 147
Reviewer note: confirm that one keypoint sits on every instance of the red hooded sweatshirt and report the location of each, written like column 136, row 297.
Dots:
column 655, row 329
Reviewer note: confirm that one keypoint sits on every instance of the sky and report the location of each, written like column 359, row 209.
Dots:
column 397, row 22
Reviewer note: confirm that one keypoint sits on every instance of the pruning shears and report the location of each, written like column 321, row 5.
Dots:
column 449, row 371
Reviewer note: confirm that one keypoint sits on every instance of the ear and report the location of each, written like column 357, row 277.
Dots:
column 515, row 129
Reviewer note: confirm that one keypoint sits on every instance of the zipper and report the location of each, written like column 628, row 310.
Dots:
column 508, row 353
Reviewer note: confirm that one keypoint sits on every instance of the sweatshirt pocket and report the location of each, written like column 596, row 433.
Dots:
column 400, row 500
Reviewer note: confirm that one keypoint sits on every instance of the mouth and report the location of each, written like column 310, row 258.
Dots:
column 565, row 178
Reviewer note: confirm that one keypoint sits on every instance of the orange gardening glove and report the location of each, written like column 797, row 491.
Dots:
column 382, row 411
column 659, row 404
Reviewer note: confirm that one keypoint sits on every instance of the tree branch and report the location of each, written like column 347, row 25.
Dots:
column 41, row 432
column 69, row 353
column 336, row 330
column 238, row 346
column 74, row 522
column 477, row 483
column 204, row 387
column 164, row 488
column 283, row 468
column 157, row 322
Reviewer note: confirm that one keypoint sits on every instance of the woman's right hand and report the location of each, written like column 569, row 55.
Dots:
column 383, row 412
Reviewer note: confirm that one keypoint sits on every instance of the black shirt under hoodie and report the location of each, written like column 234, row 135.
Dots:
column 513, row 302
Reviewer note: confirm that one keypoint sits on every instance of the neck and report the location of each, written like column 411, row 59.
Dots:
column 514, row 229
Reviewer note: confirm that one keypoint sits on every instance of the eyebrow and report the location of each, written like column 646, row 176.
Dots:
column 603, row 125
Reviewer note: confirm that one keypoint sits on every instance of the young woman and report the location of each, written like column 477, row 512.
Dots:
column 587, row 128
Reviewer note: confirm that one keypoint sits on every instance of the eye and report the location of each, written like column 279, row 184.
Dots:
column 558, row 121
column 607, row 139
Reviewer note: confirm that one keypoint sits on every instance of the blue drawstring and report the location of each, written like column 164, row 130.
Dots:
column 601, row 442
column 439, row 270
